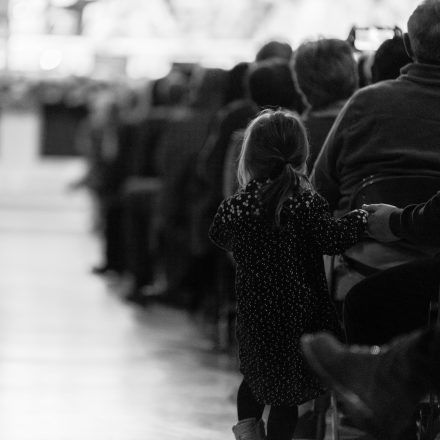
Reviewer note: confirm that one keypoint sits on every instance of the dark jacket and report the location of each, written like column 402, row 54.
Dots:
column 418, row 224
column 392, row 127
column 318, row 124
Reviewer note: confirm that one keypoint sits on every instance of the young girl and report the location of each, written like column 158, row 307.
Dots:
column 278, row 228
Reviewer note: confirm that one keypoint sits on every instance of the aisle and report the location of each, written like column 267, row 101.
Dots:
column 76, row 363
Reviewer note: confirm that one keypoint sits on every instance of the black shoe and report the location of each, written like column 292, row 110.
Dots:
column 372, row 382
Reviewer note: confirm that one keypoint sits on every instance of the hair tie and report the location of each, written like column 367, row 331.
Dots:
column 278, row 169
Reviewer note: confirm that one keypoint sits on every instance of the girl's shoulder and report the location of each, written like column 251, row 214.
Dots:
column 244, row 203
column 306, row 198
column 247, row 194
column 306, row 205
column 235, row 199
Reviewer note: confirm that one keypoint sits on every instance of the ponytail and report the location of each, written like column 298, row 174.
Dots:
column 277, row 190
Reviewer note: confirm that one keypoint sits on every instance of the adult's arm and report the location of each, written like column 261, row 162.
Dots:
column 418, row 223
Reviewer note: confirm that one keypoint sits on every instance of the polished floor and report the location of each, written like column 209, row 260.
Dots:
column 76, row 363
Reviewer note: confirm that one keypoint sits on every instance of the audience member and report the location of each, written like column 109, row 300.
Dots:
column 274, row 49
column 389, row 58
column 390, row 127
column 131, row 183
column 186, row 133
column 236, row 83
column 382, row 385
column 110, row 136
column 403, row 292
column 326, row 73
column 271, row 84
column 207, row 183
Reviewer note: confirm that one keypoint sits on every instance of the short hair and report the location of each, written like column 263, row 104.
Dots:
column 274, row 49
column 271, row 84
column 424, row 32
column 389, row 58
column 325, row 71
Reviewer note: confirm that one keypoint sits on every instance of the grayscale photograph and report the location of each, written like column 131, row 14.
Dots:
column 219, row 219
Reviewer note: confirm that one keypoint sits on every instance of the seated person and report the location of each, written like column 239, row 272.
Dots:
column 382, row 386
column 391, row 127
column 389, row 59
column 326, row 73
column 274, row 49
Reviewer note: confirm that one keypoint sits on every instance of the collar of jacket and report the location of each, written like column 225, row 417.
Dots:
column 421, row 73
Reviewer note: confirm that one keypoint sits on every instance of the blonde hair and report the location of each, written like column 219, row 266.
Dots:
column 275, row 150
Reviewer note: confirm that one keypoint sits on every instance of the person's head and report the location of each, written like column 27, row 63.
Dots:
column 424, row 32
column 270, row 84
column 169, row 90
column 274, row 49
column 207, row 88
column 389, row 58
column 275, row 150
column 235, row 88
column 326, row 71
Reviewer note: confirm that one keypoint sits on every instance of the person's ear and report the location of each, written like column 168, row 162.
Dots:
column 407, row 44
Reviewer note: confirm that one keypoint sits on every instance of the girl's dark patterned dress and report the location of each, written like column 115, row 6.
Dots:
column 281, row 287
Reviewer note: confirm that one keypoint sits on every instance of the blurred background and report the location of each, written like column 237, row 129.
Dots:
column 50, row 46
column 138, row 39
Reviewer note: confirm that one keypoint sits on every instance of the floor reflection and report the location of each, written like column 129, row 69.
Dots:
column 75, row 361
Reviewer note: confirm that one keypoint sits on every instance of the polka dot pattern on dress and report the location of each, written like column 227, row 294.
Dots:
column 280, row 285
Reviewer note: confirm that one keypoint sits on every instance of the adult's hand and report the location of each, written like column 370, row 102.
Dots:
column 379, row 221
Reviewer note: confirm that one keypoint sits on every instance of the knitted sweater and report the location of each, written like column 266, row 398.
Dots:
column 392, row 127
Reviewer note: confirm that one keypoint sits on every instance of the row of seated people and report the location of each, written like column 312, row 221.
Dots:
column 389, row 133
column 175, row 163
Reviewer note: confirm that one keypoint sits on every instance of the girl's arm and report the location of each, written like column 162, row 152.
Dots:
column 335, row 235
column 220, row 231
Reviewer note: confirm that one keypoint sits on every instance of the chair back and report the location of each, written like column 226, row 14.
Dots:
column 369, row 256
column 399, row 190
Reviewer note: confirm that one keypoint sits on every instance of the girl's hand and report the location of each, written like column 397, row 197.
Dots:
column 379, row 221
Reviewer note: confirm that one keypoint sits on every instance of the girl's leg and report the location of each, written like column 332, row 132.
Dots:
column 282, row 422
column 247, row 405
